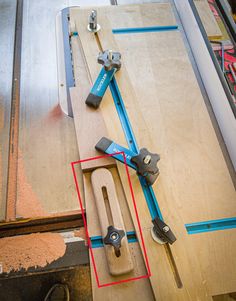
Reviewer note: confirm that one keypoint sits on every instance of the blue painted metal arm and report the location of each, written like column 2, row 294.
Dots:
column 116, row 148
column 212, row 225
column 102, row 82
column 144, row 29
column 99, row 88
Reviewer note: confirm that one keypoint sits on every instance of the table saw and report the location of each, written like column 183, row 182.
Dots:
column 118, row 150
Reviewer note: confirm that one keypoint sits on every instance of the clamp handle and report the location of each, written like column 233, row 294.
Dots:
column 111, row 63
column 113, row 238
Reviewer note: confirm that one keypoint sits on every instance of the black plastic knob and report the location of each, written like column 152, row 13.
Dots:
column 110, row 60
column 146, row 165
column 113, row 238
column 162, row 231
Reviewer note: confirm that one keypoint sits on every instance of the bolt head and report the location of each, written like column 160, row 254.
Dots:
column 166, row 229
column 114, row 236
column 147, row 159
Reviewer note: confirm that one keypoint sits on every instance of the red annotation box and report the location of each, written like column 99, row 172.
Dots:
column 86, row 228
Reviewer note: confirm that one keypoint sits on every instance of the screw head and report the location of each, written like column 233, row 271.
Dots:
column 147, row 159
column 110, row 55
column 114, row 236
column 166, row 229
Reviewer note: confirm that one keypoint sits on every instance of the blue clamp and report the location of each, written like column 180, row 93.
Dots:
column 111, row 64
column 145, row 163
column 161, row 232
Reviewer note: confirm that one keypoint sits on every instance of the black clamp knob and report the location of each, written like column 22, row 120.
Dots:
column 146, row 165
column 110, row 60
column 113, row 238
column 162, row 232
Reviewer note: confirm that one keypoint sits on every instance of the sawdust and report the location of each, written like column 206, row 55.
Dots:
column 81, row 233
column 34, row 250
column 28, row 204
column 54, row 115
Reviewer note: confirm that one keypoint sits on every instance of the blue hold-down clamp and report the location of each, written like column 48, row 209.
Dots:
column 111, row 64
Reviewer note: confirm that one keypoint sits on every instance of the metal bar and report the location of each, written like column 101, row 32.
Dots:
column 102, row 82
column 212, row 78
column 67, row 57
column 212, row 55
column 116, row 150
column 45, row 224
column 14, row 121
column 228, row 19
column 124, row 119
column 97, row 241
column 144, row 29
column 130, row 138
column 7, row 37
column 209, row 226
column 133, row 30
column 113, row 2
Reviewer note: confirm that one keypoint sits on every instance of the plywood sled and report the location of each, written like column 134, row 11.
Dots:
column 169, row 116
column 135, row 263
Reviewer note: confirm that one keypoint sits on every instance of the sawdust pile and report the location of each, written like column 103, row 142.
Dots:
column 81, row 233
column 34, row 250
column 28, row 204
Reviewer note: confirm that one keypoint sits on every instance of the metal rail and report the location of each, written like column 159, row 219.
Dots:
column 14, row 120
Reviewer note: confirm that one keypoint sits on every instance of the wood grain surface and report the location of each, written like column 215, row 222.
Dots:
column 169, row 116
column 109, row 214
column 135, row 290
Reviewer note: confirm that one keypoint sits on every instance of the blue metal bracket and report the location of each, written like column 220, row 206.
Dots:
column 144, row 29
column 212, row 225
column 116, row 148
column 134, row 30
column 67, row 57
column 133, row 149
column 99, row 88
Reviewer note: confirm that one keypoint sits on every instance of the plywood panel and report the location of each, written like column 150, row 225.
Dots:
column 162, row 278
column 164, row 102
column 136, row 289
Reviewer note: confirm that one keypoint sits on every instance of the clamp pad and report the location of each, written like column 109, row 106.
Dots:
column 110, row 60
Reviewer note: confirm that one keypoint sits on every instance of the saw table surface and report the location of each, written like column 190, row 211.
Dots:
column 169, row 116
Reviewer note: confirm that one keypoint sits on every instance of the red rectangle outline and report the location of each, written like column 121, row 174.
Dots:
column 86, row 228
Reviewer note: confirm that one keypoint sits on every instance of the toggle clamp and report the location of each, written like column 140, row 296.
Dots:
column 145, row 163
column 111, row 64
